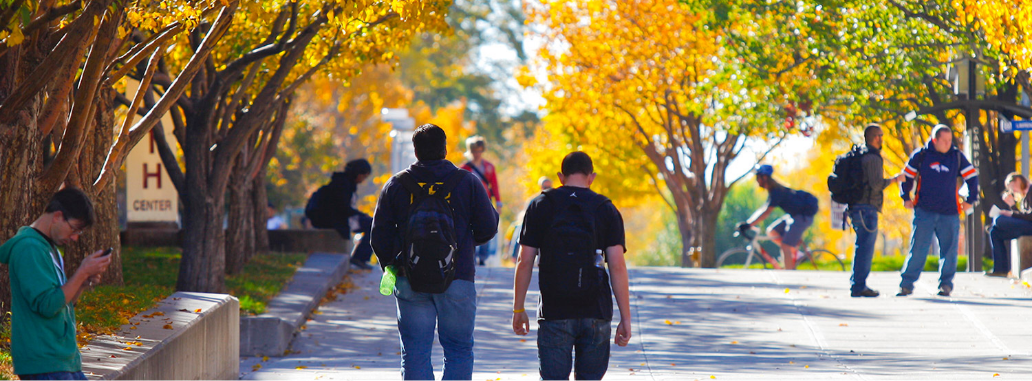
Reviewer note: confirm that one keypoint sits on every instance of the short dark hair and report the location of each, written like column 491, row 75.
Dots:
column 940, row 128
column 577, row 162
column 430, row 142
column 73, row 204
column 869, row 131
column 358, row 167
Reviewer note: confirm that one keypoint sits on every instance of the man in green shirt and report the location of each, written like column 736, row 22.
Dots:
column 43, row 319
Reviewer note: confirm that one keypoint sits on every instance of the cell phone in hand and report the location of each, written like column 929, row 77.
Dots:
column 107, row 252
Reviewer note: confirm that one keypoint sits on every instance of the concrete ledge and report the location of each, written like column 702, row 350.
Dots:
column 288, row 240
column 1021, row 255
column 188, row 335
column 270, row 334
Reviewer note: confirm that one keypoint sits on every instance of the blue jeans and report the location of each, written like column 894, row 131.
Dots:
column 54, row 376
column 556, row 340
column 363, row 251
column 865, row 224
column 452, row 313
column 945, row 228
column 1003, row 230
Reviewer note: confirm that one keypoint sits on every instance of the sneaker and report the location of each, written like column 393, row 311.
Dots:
column 997, row 274
column 867, row 293
column 361, row 265
column 945, row 290
column 903, row 291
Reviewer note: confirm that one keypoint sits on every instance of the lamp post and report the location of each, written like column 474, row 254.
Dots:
column 967, row 84
column 974, row 231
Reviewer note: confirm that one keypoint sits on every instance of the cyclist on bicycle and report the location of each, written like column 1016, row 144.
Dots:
column 799, row 207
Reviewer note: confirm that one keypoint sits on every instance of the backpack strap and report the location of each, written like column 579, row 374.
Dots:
column 450, row 182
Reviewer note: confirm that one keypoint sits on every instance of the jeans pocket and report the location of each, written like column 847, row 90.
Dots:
column 555, row 333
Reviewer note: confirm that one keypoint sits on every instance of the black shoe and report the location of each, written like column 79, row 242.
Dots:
column 903, row 291
column 867, row 293
column 945, row 290
column 1002, row 274
column 361, row 265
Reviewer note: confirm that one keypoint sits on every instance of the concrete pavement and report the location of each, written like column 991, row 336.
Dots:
column 711, row 324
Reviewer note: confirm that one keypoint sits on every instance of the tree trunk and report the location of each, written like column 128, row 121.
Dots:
column 104, row 232
column 202, row 268
column 21, row 162
column 240, row 222
column 706, row 235
column 684, row 226
column 260, row 201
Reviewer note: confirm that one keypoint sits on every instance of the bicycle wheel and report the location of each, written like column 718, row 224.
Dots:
column 736, row 258
column 826, row 259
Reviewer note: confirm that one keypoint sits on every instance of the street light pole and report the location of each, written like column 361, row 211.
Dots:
column 973, row 222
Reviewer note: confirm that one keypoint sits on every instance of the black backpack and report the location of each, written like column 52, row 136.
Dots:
column 846, row 181
column 317, row 209
column 567, row 268
column 430, row 244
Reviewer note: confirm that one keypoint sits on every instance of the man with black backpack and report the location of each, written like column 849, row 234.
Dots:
column 861, row 170
column 426, row 223
column 571, row 227
column 332, row 206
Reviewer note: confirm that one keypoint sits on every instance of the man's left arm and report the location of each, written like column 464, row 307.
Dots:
column 620, row 281
column 970, row 175
column 615, row 244
column 384, row 230
column 483, row 218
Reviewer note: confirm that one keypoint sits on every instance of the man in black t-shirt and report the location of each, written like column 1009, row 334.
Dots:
column 568, row 322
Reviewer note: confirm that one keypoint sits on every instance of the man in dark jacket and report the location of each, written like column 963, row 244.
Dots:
column 864, row 213
column 333, row 207
column 454, row 311
column 936, row 167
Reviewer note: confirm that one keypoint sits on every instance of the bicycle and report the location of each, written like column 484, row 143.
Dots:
column 753, row 251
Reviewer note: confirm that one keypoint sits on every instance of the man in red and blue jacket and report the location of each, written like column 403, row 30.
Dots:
column 937, row 206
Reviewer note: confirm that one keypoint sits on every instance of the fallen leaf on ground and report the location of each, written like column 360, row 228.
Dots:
column 996, row 375
column 265, row 358
column 133, row 327
column 807, row 367
column 127, row 348
column 668, row 322
column 786, row 290
column 523, row 340
column 301, row 367
column 734, row 342
column 357, row 367
column 183, row 310
column 843, row 325
column 197, row 310
column 366, row 298
column 255, row 367
column 167, row 326
column 791, row 362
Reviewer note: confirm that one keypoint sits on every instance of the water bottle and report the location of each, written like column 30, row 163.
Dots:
column 390, row 275
column 600, row 261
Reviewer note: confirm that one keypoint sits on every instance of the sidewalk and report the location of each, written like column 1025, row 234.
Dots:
column 703, row 323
